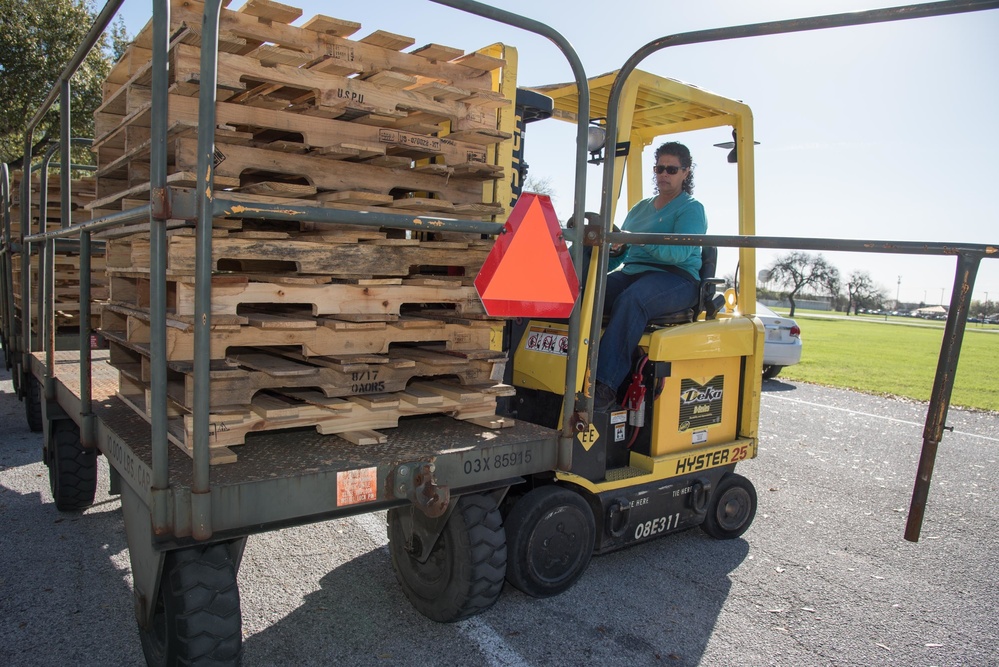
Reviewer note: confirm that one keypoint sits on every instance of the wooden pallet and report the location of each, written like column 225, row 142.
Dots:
column 354, row 419
column 248, row 371
column 386, row 258
column 321, row 41
column 308, row 336
column 371, row 300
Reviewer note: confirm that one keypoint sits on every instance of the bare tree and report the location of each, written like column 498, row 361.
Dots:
column 863, row 291
column 541, row 186
column 798, row 270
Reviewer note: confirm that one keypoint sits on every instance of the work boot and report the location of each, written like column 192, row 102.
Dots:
column 604, row 398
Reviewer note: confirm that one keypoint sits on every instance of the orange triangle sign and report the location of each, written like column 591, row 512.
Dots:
column 529, row 272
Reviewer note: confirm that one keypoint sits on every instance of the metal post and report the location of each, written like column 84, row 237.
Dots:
column 201, row 485
column 579, row 204
column 158, row 214
column 943, row 384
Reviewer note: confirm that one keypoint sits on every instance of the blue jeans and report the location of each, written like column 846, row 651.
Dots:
column 631, row 301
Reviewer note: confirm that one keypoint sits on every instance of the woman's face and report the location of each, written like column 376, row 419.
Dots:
column 670, row 185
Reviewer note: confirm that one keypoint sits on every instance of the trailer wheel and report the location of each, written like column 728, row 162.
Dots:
column 770, row 372
column 33, row 405
column 72, row 468
column 464, row 574
column 197, row 619
column 550, row 533
column 731, row 508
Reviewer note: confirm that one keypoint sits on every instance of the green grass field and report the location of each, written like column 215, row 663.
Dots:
column 897, row 357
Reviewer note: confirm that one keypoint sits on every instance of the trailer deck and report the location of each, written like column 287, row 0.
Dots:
column 297, row 476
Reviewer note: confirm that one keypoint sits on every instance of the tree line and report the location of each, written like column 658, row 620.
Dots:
column 798, row 273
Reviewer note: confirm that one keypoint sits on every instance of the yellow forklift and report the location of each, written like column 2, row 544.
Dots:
column 665, row 461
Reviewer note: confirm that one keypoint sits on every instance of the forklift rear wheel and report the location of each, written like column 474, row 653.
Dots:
column 731, row 509
column 549, row 533
column 72, row 468
column 464, row 573
column 770, row 372
column 33, row 405
column 197, row 618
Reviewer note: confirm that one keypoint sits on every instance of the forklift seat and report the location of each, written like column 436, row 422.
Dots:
column 709, row 301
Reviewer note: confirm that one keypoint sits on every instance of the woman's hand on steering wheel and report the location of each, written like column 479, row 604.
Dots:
column 617, row 249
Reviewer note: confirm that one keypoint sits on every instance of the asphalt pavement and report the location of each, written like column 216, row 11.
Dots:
column 823, row 577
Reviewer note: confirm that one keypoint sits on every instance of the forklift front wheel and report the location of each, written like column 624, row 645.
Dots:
column 550, row 533
column 464, row 574
column 731, row 509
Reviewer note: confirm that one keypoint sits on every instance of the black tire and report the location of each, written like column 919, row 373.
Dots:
column 550, row 534
column 197, row 619
column 72, row 468
column 465, row 571
column 770, row 372
column 33, row 405
column 731, row 508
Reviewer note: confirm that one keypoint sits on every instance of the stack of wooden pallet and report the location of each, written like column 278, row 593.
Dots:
column 313, row 324
column 67, row 258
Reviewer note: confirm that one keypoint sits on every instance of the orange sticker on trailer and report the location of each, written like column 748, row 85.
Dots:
column 356, row 486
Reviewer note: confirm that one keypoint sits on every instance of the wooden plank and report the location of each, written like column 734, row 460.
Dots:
column 388, row 40
column 269, row 10
column 332, row 26
column 480, row 61
column 389, row 79
column 278, row 189
column 438, row 52
column 354, row 197
column 366, row 437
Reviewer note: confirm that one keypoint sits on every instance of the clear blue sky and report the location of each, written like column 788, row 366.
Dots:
column 874, row 132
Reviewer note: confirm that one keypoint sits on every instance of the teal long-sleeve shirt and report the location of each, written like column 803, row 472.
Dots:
column 683, row 215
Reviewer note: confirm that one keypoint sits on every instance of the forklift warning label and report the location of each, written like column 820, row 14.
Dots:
column 549, row 341
column 356, row 486
column 700, row 404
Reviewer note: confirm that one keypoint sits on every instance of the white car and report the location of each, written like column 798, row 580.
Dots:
column 782, row 346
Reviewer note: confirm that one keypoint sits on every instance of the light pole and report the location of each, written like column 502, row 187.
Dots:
column 897, row 289
column 941, row 296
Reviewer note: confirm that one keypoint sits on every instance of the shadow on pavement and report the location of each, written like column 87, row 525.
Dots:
column 778, row 385
column 659, row 601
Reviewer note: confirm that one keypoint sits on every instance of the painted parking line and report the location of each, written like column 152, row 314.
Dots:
column 873, row 416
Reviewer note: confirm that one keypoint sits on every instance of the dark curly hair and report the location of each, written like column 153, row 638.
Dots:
column 681, row 153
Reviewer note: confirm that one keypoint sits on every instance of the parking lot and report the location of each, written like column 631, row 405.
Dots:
column 822, row 578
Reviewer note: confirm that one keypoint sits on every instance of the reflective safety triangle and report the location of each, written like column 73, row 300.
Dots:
column 529, row 273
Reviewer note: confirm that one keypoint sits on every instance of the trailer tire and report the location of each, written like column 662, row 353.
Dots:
column 197, row 618
column 550, row 533
column 731, row 508
column 72, row 468
column 465, row 571
column 33, row 405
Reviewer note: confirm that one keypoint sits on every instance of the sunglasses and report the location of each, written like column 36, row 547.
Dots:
column 669, row 169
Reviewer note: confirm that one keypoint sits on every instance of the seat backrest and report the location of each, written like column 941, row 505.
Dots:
column 709, row 262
